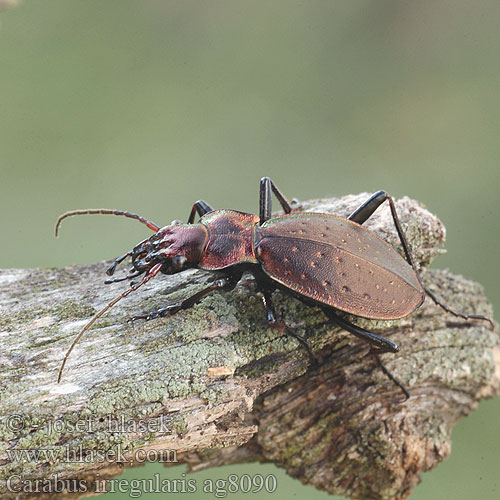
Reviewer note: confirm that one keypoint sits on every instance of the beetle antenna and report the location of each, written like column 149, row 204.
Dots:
column 105, row 211
column 153, row 272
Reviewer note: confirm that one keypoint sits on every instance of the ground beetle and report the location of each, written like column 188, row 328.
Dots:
column 322, row 259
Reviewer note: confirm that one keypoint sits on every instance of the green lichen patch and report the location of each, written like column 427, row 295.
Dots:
column 72, row 310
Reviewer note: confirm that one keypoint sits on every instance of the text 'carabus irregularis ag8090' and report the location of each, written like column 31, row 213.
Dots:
column 322, row 259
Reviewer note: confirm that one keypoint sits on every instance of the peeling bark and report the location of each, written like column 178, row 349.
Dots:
column 213, row 385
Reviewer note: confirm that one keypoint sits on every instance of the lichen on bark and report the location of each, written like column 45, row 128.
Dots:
column 218, row 386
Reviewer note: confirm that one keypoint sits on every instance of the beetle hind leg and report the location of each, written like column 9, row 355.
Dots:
column 365, row 211
column 378, row 345
column 381, row 344
column 388, row 374
column 458, row 314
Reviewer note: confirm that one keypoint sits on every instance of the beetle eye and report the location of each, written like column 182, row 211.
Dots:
column 178, row 262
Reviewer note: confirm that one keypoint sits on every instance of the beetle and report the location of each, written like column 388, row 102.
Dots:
column 322, row 259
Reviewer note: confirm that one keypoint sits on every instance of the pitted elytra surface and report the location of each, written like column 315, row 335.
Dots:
column 339, row 263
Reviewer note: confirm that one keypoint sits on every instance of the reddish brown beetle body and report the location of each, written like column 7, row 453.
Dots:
column 324, row 259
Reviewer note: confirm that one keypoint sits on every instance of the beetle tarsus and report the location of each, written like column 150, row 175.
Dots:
column 378, row 344
column 452, row 311
column 377, row 341
column 124, row 278
column 375, row 352
column 283, row 327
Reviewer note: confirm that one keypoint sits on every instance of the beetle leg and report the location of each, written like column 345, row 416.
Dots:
column 202, row 207
column 267, row 187
column 225, row 283
column 436, row 300
column 389, row 375
column 281, row 326
column 448, row 309
column 377, row 343
column 365, row 211
column 380, row 343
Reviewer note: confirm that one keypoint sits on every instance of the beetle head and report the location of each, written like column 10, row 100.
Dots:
column 176, row 247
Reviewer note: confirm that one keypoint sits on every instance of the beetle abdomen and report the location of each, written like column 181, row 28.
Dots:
column 339, row 263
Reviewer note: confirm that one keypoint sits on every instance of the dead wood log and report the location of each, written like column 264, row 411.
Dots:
column 213, row 385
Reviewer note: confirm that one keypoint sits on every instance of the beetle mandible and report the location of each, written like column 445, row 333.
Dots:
column 322, row 259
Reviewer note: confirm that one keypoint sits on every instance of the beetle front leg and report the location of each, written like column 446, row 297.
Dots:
column 225, row 283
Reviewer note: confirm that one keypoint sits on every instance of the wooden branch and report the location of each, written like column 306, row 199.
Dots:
column 213, row 385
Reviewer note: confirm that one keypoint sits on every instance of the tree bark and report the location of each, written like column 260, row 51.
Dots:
column 214, row 385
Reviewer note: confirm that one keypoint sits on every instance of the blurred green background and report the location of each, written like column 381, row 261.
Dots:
column 150, row 105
